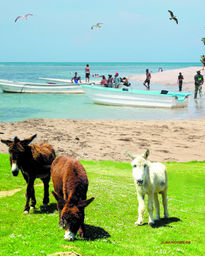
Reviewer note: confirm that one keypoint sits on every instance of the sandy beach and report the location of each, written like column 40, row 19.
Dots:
column 174, row 140
column 169, row 77
column 108, row 140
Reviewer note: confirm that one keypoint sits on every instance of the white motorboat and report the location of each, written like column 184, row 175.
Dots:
column 136, row 98
column 67, row 81
column 28, row 87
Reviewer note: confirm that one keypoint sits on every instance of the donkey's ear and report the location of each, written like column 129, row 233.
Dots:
column 130, row 155
column 7, row 142
column 28, row 140
column 58, row 198
column 146, row 154
column 84, row 203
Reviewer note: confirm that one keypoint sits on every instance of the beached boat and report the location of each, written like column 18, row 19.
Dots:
column 136, row 98
column 28, row 87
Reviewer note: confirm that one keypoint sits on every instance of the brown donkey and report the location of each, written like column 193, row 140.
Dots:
column 34, row 161
column 71, row 184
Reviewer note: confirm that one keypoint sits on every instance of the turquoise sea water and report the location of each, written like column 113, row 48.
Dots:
column 15, row 107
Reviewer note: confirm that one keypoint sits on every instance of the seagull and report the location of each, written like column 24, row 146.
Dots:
column 25, row 17
column 172, row 16
column 98, row 25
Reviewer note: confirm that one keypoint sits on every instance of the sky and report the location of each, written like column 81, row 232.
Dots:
column 133, row 31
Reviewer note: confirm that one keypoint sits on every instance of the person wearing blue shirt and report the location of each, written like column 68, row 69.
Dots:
column 117, row 80
column 76, row 78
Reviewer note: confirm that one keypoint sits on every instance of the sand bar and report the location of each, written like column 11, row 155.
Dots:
column 170, row 77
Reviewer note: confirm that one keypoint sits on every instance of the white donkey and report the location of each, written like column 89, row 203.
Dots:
column 151, row 179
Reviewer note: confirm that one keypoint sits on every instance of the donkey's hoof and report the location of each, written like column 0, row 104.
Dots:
column 26, row 212
column 69, row 236
column 32, row 209
column 138, row 223
column 151, row 223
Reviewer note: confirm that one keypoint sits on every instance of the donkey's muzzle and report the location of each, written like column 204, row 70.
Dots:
column 139, row 182
column 14, row 169
column 15, row 173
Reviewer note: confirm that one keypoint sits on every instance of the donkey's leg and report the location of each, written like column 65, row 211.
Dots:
column 60, row 208
column 150, row 208
column 82, row 227
column 82, row 230
column 141, row 209
column 164, row 200
column 157, row 208
column 33, row 199
column 28, row 194
column 46, row 190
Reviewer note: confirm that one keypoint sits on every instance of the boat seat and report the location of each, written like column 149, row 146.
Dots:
column 164, row 92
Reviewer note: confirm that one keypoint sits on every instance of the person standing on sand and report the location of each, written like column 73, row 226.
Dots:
column 199, row 80
column 180, row 81
column 87, row 74
column 147, row 80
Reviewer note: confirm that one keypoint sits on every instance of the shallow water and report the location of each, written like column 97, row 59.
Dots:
column 16, row 107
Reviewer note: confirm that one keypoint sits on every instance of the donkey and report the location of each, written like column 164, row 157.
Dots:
column 34, row 161
column 70, row 184
column 151, row 179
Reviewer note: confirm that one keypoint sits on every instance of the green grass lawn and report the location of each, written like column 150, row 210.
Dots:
column 110, row 217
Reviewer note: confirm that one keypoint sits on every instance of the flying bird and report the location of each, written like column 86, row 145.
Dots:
column 98, row 25
column 172, row 16
column 24, row 17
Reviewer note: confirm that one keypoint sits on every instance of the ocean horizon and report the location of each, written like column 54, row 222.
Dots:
column 30, row 71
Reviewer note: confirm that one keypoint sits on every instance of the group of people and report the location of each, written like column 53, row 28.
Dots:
column 109, row 82
column 77, row 79
column 198, row 81
column 117, row 80
column 114, row 82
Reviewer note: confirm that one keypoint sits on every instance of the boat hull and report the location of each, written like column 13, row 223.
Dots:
column 22, row 87
column 68, row 81
column 134, row 98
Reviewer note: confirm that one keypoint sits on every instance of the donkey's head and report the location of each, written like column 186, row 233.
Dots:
column 72, row 215
column 140, row 167
column 17, row 149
